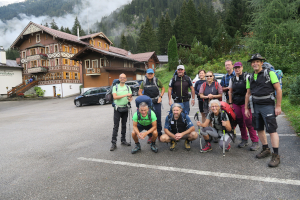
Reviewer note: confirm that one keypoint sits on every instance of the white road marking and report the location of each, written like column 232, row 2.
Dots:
column 191, row 171
column 280, row 135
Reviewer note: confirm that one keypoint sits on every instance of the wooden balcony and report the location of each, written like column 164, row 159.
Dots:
column 37, row 70
column 92, row 71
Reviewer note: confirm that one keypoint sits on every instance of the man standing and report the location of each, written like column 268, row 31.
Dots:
column 262, row 85
column 151, row 86
column 122, row 95
column 227, row 77
column 180, row 85
column 144, row 119
column 178, row 126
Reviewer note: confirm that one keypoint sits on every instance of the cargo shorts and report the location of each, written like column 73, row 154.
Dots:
column 264, row 116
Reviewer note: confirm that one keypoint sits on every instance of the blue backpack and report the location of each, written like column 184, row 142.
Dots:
column 183, row 115
column 148, row 101
column 270, row 67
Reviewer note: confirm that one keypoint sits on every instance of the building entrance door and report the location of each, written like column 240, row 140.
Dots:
column 54, row 91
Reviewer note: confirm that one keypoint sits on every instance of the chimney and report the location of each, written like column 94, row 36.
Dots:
column 2, row 55
column 129, row 53
column 78, row 32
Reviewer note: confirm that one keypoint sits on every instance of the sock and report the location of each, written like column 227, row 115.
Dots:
column 275, row 150
column 153, row 143
column 137, row 143
column 207, row 141
column 265, row 146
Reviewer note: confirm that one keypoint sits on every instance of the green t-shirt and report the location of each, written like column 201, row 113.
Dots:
column 121, row 91
column 272, row 75
column 159, row 84
column 144, row 120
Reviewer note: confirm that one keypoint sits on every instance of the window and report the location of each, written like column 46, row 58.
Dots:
column 44, row 63
column 125, row 63
column 95, row 64
column 47, row 50
column 25, row 66
column 56, row 61
column 99, row 44
column 47, row 63
column 102, row 62
column 33, row 64
column 65, row 48
column 32, row 52
column 55, row 48
column 23, row 54
column 42, row 50
column 66, row 61
column 67, row 75
column 87, row 64
column 106, row 45
column 46, row 37
column 76, row 75
column 38, row 38
column 75, row 50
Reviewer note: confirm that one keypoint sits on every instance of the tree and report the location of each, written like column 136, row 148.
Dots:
column 53, row 25
column 148, row 40
column 131, row 43
column 12, row 54
column 161, row 35
column 74, row 28
column 62, row 29
column 222, row 42
column 67, row 30
column 124, row 43
column 46, row 24
column 172, row 54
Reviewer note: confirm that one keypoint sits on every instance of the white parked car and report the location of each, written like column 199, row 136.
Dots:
column 217, row 76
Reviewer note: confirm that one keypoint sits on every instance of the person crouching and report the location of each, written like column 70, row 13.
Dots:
column 178, row 126
column 218, row 123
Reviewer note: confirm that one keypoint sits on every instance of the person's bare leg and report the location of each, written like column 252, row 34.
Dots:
column 154, row 135
column 165, row 138
column 203, row 117
column 192, row 136
column 263, row 137
column 135, row 137
column 274, row 139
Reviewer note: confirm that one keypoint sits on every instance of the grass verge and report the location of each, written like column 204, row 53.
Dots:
column 292, row 112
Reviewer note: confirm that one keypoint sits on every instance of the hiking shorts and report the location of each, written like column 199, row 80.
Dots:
column 146, row 128
column 264, row 116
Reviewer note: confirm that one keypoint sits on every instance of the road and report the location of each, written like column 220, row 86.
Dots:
column 50, row 149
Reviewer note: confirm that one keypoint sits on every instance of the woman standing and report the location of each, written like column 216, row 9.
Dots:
column 210, row 90
column 198, row 84
column 237, row 92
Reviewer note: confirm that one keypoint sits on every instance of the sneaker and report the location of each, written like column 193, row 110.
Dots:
column 113, row 147
column 125, row 143
column 275, row 160
column 173, row 145
column 187, row 145
column 264, row 153
column 149, row 140
column 228, row 148
column 243, row 143
column 207, row 147
column 153, row 147
column 215, row 139
column 136, row 148
column 254, row 146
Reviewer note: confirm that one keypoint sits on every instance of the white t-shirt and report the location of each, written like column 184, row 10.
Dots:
column 230, row 81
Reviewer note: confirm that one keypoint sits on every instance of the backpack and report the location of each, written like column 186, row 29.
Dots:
column 216, row 85
column 175, row 75
column 109, row 97
column 148, row 101
column 270, row 67
column 246, row 76
column 183, row 115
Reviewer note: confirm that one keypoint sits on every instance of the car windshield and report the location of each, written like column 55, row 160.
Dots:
column 87, row 92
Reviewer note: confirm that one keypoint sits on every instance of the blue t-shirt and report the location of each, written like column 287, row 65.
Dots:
column 225, row 81
column 197, row 88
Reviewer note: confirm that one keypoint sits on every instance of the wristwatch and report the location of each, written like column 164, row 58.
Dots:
column 161, row 96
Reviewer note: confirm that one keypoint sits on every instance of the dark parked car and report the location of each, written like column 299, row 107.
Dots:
column 134, row 86
column 93, row 96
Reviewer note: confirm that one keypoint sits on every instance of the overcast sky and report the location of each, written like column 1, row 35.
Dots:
column 5, row 2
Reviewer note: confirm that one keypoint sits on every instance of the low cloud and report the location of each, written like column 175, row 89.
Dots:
column 91, row 12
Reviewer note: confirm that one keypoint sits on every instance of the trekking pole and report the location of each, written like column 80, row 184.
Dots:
column 223, row 142
column 196, row 118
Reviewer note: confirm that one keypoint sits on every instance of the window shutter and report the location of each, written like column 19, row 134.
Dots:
column 64, row 75
column 73, row 50
column 78, row 76
column 74, row 75
column 70, row 75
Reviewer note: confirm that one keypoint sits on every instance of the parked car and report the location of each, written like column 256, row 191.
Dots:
column 93, row 96
column 217, row 76
column 140, row 81
column 134, row 86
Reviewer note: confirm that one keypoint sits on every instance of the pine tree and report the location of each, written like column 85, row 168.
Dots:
column 222, row 42
column 53, row 25
column 131, row 43
column 191, row 22
column 67, row 30
column 124, row 43
column 172, row 54
column 62, row 29
column 148, row 40
column 74, row 28
column 161, row 35
column 168, row 29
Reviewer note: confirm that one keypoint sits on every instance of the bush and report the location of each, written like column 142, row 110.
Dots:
column 39, row 91
column 294, row 95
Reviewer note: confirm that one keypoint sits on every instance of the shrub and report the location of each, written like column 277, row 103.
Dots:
column 294, row 95
column 39, row 91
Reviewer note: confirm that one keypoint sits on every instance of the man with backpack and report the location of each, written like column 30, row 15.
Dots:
column 227, row 77
column 178, row 126
column 122, row 95
column 144, row 119
column 237, row 92
column 151, row 86
column 261, row 86
column 180, row 85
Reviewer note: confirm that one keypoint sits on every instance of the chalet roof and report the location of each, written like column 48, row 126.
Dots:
column 123, row 69
column 33, row 27
column 118, row 50
column 143, row 57
column 78, row 55
column 162, row 58
column 10, row 63
column 100, row 34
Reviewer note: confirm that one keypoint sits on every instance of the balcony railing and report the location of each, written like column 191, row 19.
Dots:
column 37, row 57
column 92, row 71
column 37, row 70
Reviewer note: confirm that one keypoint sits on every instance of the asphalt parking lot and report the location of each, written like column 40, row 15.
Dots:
column 50, row 149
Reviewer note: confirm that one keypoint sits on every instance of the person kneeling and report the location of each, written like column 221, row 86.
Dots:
column 144, row 119
column 178, row 126
column 219, row 121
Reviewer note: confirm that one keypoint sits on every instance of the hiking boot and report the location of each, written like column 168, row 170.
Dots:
column 136, row 148
column 264, row 153
column 207, row 147
column 243, row 143
column 153, row 147
column 113, row 147
column 254, row 146
column 149, row 140
column 187, row 145
column 173, row 145
column 125, row 143
column 215, row 139
column 275, row 160
column 228, row 148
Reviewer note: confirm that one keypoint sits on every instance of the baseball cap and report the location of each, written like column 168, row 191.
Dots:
column 238, row 64
column 180, row 67
column 150, row 71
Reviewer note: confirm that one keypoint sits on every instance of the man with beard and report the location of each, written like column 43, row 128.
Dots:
column 178, row 126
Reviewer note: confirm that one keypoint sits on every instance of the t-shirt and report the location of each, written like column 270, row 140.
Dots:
column 217, row 125
column 144, row 120
column 159, row 84
column 220, row 91
column 230, row 81
column 121, row 91
column 272, row 75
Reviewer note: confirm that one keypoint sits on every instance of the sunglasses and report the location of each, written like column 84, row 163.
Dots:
column 208, row 76
column 237, row 67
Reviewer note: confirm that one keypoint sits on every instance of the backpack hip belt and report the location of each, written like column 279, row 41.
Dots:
column 265, row 97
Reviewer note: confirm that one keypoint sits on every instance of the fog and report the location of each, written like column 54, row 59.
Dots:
column 91, row 12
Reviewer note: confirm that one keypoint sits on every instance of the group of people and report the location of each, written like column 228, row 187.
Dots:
column 251, row 95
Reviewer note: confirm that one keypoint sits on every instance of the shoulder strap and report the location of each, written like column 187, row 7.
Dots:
column 144, row 81
column 216, row 84
column 116, row 87
column 267, row 75
column 149, row 115
column 175, row 78
column 183, row 115
column 204, row 86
